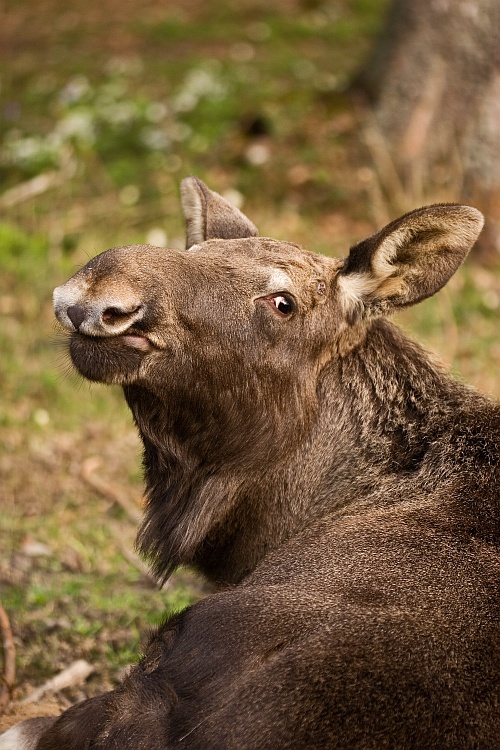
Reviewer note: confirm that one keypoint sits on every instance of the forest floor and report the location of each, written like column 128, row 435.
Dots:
column 104, row 108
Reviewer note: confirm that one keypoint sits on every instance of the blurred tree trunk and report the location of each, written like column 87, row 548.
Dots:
column 434, row 83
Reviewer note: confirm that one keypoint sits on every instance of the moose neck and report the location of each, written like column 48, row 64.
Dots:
column 377, row 410
column 397, row 397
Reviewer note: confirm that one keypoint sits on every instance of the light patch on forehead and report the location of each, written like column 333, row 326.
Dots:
column 279, row 281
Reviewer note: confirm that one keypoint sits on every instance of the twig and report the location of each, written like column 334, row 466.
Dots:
column 386, row 170
column 41, row 183
column 72, row 675
column 9, row 660
column 30, row 188
column 87, row 473
column 132, row 558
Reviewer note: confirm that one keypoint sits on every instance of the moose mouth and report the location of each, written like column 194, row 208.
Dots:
column 110, row 359
column 136, row 341
column 130, row 337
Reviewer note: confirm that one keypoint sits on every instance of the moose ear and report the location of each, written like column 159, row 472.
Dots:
column 210, row 216
column 407, row 261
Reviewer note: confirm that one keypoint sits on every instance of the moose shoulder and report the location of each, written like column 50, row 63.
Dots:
column 305, row 455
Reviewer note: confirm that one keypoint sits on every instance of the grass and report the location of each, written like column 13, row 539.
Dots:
column 251, row 97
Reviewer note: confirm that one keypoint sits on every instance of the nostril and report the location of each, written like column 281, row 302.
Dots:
column 117, row 314
column 76, row 314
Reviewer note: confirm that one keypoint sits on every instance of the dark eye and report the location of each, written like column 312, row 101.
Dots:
column 283, row 303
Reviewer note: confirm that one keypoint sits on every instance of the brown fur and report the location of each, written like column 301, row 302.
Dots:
column 336, row 483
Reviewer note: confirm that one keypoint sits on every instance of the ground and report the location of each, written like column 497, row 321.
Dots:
column 105, row 107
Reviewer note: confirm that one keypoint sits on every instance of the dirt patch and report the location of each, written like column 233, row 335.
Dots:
column 17, row 713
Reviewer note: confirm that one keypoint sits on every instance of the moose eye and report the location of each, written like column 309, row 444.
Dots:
column 283, row 303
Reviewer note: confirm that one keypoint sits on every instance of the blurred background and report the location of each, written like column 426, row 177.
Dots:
column 321, row 120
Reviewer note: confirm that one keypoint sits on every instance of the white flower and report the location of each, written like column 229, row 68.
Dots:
column 77, row 124
column 155, row 139
column 74, row 90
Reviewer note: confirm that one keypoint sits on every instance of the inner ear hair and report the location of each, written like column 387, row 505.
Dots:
column 409, row 260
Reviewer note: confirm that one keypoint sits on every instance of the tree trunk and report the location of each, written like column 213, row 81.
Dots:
column 434, row 83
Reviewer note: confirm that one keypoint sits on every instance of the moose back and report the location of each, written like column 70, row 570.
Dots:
column 336, row 483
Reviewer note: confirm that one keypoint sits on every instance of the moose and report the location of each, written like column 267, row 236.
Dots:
column 335, row 483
